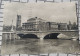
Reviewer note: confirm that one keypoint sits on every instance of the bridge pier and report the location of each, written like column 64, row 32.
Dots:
column 7, row 36
column 41, row 36
column 10, row 36
column 16, row 36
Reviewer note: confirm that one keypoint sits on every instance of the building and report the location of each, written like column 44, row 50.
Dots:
column 62, row 26
column 28, row 26
column 18, row 23
column 38, row 24
column 52, row 26
column 34, row 24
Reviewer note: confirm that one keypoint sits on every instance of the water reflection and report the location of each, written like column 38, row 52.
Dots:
column 34, row 46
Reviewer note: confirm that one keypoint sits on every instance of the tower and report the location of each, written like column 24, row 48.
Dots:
column 12, row 26
column 18, row 23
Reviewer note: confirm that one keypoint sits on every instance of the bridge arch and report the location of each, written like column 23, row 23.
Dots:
column 28, row 36
column 51, row 36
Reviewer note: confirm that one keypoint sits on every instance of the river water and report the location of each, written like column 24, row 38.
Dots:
column 35, row 46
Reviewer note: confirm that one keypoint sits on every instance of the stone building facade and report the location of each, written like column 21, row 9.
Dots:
column 52, row 26
column 38, row 24
column 62, row 26
column 34, row 24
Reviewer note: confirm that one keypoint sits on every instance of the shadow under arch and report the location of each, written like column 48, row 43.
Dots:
column 28, row 36
column 52, row 36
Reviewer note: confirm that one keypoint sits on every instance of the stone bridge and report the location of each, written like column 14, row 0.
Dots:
column 43, row 34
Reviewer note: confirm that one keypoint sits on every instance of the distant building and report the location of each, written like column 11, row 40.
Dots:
column 62, row 26
column 34, row 24
column 18, row 23
column 52, row 26
column 8, row 28
column 38, row 24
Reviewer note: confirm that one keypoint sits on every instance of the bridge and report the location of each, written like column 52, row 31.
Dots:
column 43, row 34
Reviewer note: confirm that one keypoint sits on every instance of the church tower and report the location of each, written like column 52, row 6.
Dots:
column 18, row 23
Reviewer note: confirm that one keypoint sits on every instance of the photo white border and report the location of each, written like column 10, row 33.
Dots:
column 37, row 1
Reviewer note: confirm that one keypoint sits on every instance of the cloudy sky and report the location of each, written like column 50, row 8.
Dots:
column 53, row 12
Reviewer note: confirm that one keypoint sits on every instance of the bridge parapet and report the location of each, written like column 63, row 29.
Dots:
column 42, row 34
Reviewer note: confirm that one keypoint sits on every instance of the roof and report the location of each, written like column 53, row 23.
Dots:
column 35, row 19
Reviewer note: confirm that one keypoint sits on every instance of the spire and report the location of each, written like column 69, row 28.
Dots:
column 12, row 26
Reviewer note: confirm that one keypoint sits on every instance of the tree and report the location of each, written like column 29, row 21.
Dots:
column 74, row 26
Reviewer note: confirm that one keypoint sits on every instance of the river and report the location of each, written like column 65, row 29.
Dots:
column 35, row 46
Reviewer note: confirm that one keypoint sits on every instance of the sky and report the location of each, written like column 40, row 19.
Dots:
column 62, row 12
